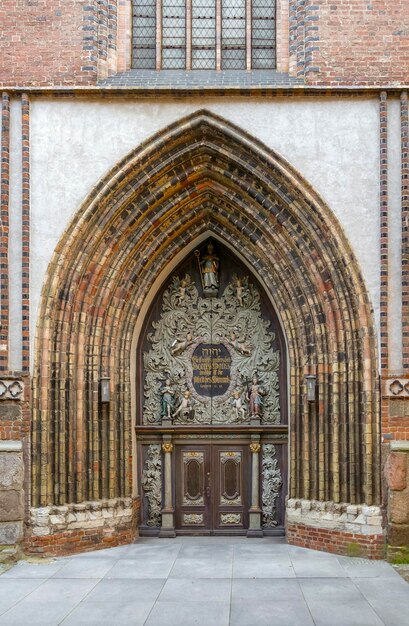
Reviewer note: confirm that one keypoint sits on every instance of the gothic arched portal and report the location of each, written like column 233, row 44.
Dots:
column 211, row 381
column 202, row 175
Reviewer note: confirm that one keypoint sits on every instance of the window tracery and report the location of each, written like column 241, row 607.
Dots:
column 204, row 34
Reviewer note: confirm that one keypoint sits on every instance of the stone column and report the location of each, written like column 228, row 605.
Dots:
column 168, row 524
column 255, row 510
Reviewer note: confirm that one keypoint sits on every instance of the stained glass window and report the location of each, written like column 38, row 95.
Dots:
column 204, row 34
column 263, row 30
column 234, row 34
column 144, row 35
column 173, row 34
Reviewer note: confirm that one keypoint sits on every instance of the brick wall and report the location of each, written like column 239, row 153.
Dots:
column 357, row 41
column 66, row 42
column 56, row 42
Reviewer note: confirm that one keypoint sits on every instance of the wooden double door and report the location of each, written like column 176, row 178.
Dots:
column 211, row 488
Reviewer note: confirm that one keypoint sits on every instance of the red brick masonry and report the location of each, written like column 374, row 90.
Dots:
column 337, row 542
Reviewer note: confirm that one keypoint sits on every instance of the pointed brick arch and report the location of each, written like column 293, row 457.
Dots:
column 202, row 174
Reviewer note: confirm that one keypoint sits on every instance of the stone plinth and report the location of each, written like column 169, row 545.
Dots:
column 343, row 528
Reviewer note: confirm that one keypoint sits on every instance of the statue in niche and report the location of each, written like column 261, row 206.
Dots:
column 186, row 407
column 242, row 347
column 255, row 395
column 167, row 400
column 209, row 268
column 237, row 403
column 180, row 345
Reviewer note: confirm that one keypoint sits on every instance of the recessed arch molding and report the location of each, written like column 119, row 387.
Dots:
column 202, row 174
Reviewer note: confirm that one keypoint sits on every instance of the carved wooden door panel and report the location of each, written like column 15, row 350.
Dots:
column 193, row 488
column 211, row 488
column 229, row 501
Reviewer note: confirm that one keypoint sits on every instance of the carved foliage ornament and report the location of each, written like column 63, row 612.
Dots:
column 271, row 483
column 152, row 484
column 188, row 323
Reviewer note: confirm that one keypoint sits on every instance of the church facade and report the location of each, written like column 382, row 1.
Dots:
column 204, row 273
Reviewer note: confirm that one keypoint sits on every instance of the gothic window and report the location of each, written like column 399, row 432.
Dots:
column 204, row 34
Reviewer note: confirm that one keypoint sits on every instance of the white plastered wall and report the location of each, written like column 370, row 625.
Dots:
column 333, row 143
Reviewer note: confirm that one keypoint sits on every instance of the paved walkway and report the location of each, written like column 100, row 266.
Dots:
column 215, row 581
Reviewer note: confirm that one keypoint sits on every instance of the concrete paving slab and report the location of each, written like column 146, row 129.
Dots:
column 319, row 568
column 189, row 614
column 85, row 568
column 337, row 602
column 202, row 568
column 196, row 590
column 272, row 613
column 262, row 567
column 137, row 568
column 266, row 590
column 365, row 568
column 36, row 613
column 120, row 590
column 389, row 597
column 13, row 590
column 109, row 614
column 27, row 569
column 66, row 590
column 193, row 580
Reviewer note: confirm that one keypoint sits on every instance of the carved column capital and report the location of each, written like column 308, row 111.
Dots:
column 167, row 447
column 255, row 447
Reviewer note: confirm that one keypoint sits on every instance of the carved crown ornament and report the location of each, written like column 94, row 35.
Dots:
column 212, row 357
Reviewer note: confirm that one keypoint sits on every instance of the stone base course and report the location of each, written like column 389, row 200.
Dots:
column 341, row 528
column 84, row 526
column 337, row 542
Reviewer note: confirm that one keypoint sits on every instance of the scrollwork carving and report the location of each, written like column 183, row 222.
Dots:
column 270, row 485
column 233, row 320
column 193, row 519
column 230, row 518
column 152, row 484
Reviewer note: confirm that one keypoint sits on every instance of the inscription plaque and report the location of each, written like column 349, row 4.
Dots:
column 211, row 365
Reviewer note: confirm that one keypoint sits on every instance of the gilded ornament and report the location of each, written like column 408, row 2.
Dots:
column 167, row 447
column 255, row 447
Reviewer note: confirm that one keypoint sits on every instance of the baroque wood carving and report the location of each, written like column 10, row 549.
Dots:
column 271, row 483
column 211, row 359
column 152, row 484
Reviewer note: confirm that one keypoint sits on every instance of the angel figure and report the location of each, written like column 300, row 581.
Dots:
column 237, row 404
column 179, row 345
column 243, row 347
column 240, row 290
column 181, row 295
column 186, row 406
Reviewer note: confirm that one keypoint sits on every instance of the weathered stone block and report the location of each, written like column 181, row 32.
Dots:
column 399, row 507
column 11, row 470
column 11, row 533
column 398, row 535
column 41, row 531
column 10, row 413
column 11, row 506
column 396, row 470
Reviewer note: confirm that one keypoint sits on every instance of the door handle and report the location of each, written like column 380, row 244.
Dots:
column 208, row 484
